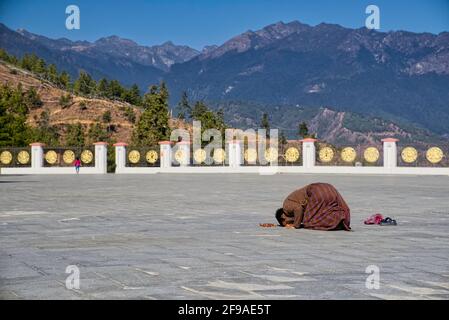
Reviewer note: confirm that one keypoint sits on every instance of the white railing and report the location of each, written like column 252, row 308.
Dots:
column 176, row 157
column 37, row 163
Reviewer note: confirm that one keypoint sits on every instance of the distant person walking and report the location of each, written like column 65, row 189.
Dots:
column 77, row 164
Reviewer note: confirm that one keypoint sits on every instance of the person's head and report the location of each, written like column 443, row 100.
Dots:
column 77, row 159
column 283, row 219
column 280, row 216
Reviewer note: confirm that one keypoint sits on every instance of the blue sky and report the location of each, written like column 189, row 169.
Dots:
column 203, row 22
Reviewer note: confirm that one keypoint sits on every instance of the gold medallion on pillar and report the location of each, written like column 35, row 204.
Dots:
column 180, row 156
column 371, row 155
column 151, row 156
column 348, row 154
column 292, row 154
column 51, row 157
column 134, row 156
column 271, row 154
column 409, row 155
column 219, row 155
column 326, row 154
column 250, row 155
column 23, row 157
column 5, row 157
column 200, row 155
column 68, row 157
column 87, row 156
column 434, row 155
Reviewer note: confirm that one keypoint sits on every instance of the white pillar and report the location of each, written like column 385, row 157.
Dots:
column 390, row 153
column 120, row 156
column 101, row 157
column 165, row 154
column 234, row 153
column 37, row 155
column 185, row 147
column 308, row 152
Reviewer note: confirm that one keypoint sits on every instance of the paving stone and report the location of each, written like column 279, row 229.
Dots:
column 188, row 236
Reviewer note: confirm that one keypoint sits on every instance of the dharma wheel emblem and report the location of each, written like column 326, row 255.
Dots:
column 180, row 156
column 6, row 157
column 326, row 154
column 51, row 157
column 134, row 156
column 292, row 154
column 409, row 155
column 371, row 155
column 271, row 154
column 434, row 155
column 87, row 156
column 250, row 155
column 348, row 154
column 68, row 156
column 23, row 157
column 200, row 155
column 151, row 156
column 219, row 155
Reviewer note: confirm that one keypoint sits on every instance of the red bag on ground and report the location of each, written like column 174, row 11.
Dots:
column 374, row 219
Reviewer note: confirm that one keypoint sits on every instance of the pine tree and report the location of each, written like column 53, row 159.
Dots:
column 132, row 95
column 184, row 108
column 209, row 119
column 84, row 85
column 74, row 136
column 106, row 117
column 153, row 123
column 303, row 130
column 13, row 112
column 198, row 110
column 282, row 139
column 97, row 133
column 33, row 99
column 103, row 88
column 52, row 74
column 265, row 124
column 45, row 132
column 115, row 89
column 64, row 80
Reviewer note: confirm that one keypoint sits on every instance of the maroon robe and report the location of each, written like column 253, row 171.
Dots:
column 317, row 206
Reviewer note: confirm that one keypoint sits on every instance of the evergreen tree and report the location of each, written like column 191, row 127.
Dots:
column 74, row 136
column 184, row 108
column 303, row 130
column 115, row 89
column 84, row 85
column 97, row 133
column 52, row 74
column 13, row 113
column 33, row 99
column 44, row 132
column 132, row 95
column 265, row 123
column 103, row 88
column 198, row 110
column 153, row 123
column 282, row 139
column 106, row 117
column 129, row 114
column 65, row 100
column 209, row 119
column 64, row 80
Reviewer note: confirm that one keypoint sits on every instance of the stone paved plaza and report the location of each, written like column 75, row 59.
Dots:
column 198, row 237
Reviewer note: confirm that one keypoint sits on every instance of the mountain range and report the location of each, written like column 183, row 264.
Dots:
column 400, row 76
